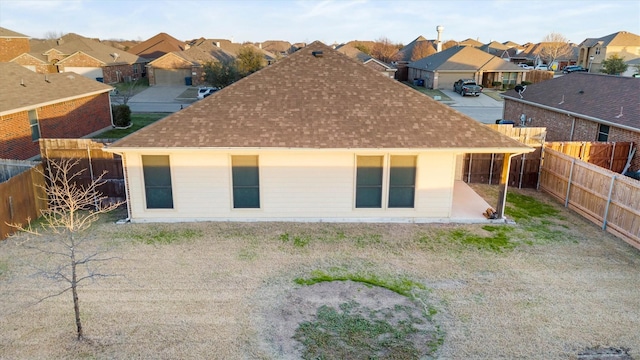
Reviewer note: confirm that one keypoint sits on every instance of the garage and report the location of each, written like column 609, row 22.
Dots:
column 171, row 76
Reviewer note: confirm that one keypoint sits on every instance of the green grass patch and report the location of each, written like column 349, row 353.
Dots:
column 429, row 92
column 164, row 236
column 297, row 240
column 138, row 121
column 526, row 207
column 356, row 332
column 402, row 285
column 498, row 239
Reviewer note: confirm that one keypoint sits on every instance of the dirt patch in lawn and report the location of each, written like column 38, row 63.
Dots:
column 555, row 286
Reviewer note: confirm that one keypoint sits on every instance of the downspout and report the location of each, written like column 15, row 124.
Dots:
column 113, row 125
column 573, row 127
column 502, row 200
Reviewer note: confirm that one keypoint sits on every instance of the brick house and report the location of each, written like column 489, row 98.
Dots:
column 176, row 67
column 34, row 106
column 87, row 57
column 157, row 46
column 441, row 70
column 12, row 44
column 581, row 107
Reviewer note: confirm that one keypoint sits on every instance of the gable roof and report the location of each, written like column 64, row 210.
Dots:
column 6, row 33
column 157, row 46
column 406, row 52
column 72, row 43
column 360, row 56
column 577, row 93
column 464, row 58
column 23, row 89
column 470, row 42
column 322, row 101
column 620, row 38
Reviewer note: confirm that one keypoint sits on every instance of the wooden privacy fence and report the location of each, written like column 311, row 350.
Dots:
column 21, row 197
column 608, row 155
column 606, row 198
column 487, row 168
column 92, row 159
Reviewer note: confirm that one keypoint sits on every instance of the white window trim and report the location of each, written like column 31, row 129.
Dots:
column 37, row 124
column 386, row 179
column 144, row 188
column 230, row 159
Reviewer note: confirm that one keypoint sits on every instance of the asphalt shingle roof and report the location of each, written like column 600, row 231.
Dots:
column 594, row 95
column 6, row 33
column 157, row 46
column 22, row 88
column 318, row 102
column 464, row 58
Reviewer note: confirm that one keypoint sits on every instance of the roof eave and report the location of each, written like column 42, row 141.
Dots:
column 572, row 113
column 461, row 150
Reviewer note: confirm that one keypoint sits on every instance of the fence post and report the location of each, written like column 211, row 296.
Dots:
column 566, row 200
column 613, row 152
column 606, row 209
column 95, row 200
column 524, row 158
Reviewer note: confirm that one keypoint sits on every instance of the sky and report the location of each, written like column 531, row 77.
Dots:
column 330, row 21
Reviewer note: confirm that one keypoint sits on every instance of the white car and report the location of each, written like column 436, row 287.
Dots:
column 525, row 66
column 542, row 67
column 203, row 92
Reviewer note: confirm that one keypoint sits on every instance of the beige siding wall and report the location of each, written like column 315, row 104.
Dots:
column 300, row 186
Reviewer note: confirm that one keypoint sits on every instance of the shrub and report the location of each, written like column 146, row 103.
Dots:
column 496, row 84
column 121, row 115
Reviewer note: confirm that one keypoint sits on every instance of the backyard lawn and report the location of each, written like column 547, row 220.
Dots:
column 552, row 286
column 138, row 121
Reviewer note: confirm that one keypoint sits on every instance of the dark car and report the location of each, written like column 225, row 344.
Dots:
column 573, row 68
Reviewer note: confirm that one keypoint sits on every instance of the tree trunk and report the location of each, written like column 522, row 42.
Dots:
column 74, row 291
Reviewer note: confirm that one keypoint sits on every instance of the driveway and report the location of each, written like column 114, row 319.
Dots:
column 160, row 99
column 482, row 108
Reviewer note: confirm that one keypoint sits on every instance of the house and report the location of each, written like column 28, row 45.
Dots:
column 572, row 108
column 12, row 44
column 87, row 57
column 419, row 48
column 442, row 69
column 633, row 68
column 34, row 106
column 157, row 46
column 316, row 136
column 541, row 53
column 368, row 60
column 184, row 67
column 470, row 42
column 494, row 48
column 594, row 50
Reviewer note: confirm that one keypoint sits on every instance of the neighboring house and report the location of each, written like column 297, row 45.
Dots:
column 533, row 54
column 573, row 109
column 87, row 57
column 633, row 68
column 157, row 46
column 368, row 60
column 184, row 67
column 594, row 51
column 12, row 44
column 470, row 42
column 34, row 106
column 494, row 48
column 441, row 70
column 278, row 47
column 419, row 48
column 314, row 137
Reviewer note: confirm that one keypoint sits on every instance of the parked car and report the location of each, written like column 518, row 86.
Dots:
column 203, row 92
column 542, row 67
column 525, row 66
column 573, row 68
column 467, row 87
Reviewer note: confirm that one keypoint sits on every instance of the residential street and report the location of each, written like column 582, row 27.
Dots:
column 160, row 99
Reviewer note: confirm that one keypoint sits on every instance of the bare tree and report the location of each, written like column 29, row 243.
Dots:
column 554, row 46
column 384, row 50
column 422, row 50
column 449, row 44
column 53, row 35
column 126, row 92
column 72, row 210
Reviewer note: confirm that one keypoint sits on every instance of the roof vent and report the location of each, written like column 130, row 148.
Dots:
column 316, row 53
column 581, row 92
column 22, row 83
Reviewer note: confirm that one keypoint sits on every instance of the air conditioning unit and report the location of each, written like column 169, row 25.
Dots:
column 127, row 79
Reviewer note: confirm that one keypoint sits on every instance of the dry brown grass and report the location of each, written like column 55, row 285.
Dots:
column 209, row 296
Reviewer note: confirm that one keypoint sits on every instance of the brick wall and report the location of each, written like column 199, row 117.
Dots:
column 559, row 126
column 69, row 119
column 117, row 73
column 12, row 47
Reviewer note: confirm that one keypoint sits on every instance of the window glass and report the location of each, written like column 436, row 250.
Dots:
column 603, row 133
column 33, row 123
column 157, row 181
column 369, row 182
column 402, row 181
column 246, row 182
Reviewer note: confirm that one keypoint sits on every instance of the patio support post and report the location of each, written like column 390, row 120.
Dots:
column 504, row 183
